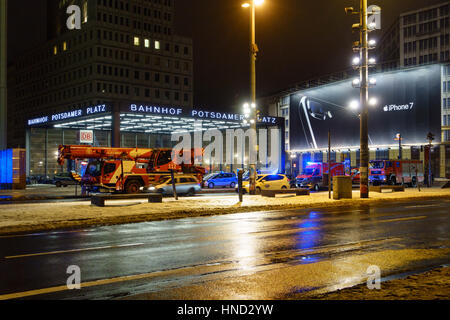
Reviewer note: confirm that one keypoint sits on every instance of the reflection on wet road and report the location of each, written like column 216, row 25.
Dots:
column 145, row 257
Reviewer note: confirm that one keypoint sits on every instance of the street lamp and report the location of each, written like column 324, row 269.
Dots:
column 253, row 53
column 369, row 21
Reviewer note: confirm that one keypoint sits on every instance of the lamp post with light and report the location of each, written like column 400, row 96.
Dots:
column 253, row 53
column 363, row 62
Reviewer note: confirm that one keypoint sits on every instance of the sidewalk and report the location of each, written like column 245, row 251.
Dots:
column 431, row 285
column 51, row 192
column 48, row 216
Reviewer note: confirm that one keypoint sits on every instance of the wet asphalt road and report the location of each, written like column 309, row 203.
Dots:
column 174, row 253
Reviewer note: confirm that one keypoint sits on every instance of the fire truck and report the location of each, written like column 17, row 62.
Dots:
column 314, row 175
column 394, row 172
column 124, row 169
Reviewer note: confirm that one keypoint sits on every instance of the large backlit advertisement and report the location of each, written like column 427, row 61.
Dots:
column 408, row 102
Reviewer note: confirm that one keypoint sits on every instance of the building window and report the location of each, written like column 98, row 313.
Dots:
column 64, row 46
column 147, row 43
column 136, row 41
column 55, row 50
column 85, row 11
column 157, row 45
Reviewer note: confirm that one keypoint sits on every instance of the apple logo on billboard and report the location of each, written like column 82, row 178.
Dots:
column 386, row 108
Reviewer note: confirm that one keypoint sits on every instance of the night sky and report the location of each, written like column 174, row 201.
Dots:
column 298, row 40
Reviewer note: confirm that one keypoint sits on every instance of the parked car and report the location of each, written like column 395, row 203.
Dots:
column 268, row 182
column 63, row 180
column 39, row 180
column 184, row 184
column 222, row 179
column 356, row 176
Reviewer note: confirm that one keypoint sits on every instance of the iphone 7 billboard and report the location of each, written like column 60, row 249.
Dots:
column 408, row 102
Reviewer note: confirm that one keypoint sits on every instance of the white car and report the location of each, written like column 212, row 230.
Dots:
column 268, row 182
column 185, row 184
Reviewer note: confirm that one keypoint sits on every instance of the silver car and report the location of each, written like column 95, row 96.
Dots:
column 184, row 184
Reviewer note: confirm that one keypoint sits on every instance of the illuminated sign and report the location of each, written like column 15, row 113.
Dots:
column 394, row 107
column 96, row 109
column 87, row 136
column 156, row 110
column 6, row 166
column 267, row 120
column 69, row 115
column 216, row 115
column 409, row 102
column 38, row 121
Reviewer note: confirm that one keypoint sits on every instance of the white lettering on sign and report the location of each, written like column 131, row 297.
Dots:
column 37, row 121
column 267, row 120
column 156, row 110
column 216, row 115
column 86, row 136
column 67, row 115
column 395, row 107
column 96, row 109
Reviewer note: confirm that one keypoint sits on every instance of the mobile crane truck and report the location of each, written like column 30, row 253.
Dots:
column 126, row 170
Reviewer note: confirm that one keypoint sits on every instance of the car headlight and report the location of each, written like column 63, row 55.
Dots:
column 152, row 188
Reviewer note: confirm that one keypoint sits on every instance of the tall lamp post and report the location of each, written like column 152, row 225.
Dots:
column 253, row 53
column 363, row 63
column 3, row 68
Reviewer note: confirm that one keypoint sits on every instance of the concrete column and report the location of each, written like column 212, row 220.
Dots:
column 353, row 158
column 27, row 148
column 443, row 161
column 3, row 74
column 115, row 126
column 46, row 153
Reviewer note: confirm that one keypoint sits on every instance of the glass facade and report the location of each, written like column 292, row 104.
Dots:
column 43, row 146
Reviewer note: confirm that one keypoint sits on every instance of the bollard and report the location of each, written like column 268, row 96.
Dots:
column 172, row 175
column 240, row 176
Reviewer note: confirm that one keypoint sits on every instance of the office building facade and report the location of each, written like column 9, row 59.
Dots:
column 126, row 50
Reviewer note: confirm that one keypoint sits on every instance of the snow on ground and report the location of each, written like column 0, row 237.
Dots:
column 47, row 216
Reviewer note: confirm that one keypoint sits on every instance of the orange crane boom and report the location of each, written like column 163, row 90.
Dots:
column 73, row 152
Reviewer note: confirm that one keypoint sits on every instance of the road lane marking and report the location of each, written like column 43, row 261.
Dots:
column 423, row 206
column 154, row 274
column 74, row 250
column 50, row 233
column 403, row 219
